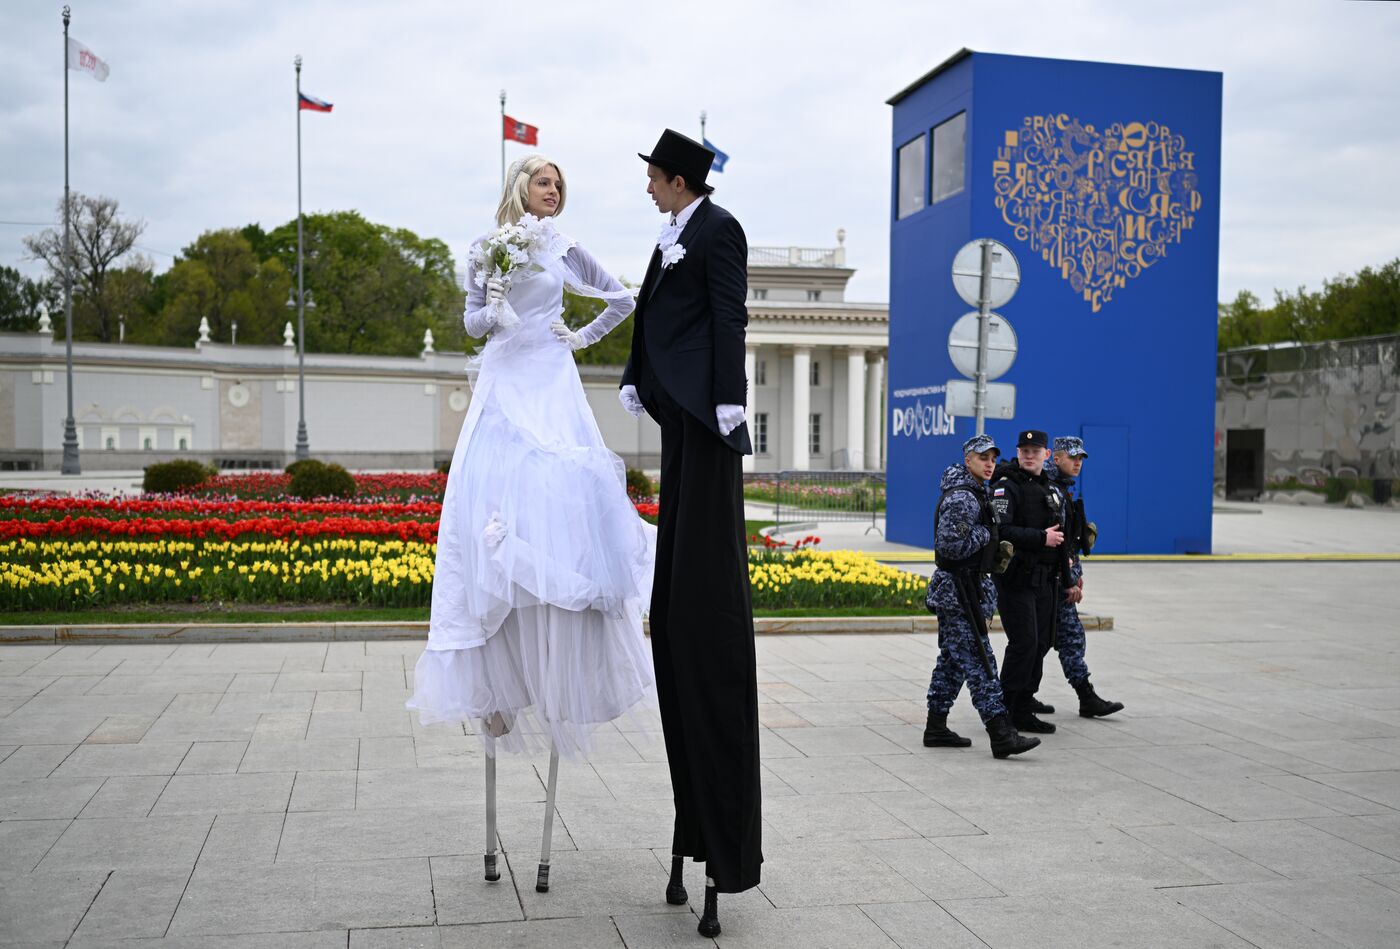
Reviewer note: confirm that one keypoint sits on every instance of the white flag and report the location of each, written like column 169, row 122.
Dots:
column 85, row 60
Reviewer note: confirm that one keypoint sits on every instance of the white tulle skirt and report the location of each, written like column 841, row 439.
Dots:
column 543, row 572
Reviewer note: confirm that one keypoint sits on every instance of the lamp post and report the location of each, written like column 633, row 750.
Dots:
column 70, row 464
column 300, row 300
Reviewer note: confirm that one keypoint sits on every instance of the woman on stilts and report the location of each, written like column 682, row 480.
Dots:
column 543, row 566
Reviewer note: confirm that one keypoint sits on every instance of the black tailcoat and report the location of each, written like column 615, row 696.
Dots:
column 687, row 357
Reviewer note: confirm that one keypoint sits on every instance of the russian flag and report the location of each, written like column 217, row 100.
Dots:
column 311, row 103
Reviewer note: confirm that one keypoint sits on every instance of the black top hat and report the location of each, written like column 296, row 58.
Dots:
column 682, row 156
column 1032, row 439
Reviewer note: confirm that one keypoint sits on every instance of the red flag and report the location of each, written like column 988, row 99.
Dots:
column 312, row 104
column 514, row 131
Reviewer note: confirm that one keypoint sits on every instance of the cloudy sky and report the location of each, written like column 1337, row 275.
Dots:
column 195, row 129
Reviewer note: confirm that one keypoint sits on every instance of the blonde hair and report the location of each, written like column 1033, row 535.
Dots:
column 516, row 193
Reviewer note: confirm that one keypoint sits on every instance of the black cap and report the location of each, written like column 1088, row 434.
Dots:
column 1031, row 438
column 682, row 156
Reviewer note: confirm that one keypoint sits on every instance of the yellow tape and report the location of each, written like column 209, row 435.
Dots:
column 923, row 557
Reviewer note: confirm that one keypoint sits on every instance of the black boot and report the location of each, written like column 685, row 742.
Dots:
column 1090, row 705
column 937, row 735
column 1005, row 740
column 1039, row 707
column 675, row 887
column 1023, row 717
column 709, row 922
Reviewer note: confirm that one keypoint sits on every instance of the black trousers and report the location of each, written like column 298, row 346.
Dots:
column 702, row 643
column 1028, row 616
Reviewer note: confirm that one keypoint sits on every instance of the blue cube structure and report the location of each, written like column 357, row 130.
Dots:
column 1104, row 181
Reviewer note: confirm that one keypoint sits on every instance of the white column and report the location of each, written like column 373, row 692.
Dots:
column 855, row 409
column 750, row 376
column 874, row 412
column 801, row 406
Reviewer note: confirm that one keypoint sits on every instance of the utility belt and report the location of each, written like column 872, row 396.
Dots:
column 1028, row 572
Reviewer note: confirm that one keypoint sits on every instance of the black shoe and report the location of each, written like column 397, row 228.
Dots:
column 1038, row 707
column 709, row 922
column 675, row 887
column 937, row 735
column 1091, row 706
column 1005, row 740
column 1026, row 721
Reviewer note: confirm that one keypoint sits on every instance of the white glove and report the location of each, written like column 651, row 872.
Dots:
column 627, row 395
column 729, row 417
column 495, row 291
column 568, row 336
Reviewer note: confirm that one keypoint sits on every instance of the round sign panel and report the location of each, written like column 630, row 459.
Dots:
column 1001, row 345
column 967, row 273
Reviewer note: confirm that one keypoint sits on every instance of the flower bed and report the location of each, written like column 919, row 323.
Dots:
column 249, row 544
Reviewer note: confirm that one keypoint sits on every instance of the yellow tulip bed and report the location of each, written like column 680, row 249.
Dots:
column 79, row 574
column 825, row 579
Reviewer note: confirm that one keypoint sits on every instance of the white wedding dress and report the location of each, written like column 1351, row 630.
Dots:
column 543, row 566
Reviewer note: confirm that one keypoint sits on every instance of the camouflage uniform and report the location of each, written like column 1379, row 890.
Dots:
column 1069, row 639
column 1069, row 634
column 959, row 535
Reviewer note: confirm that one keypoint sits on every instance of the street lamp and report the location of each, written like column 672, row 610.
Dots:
column 300, row 299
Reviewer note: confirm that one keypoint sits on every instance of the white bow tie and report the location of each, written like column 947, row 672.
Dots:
column 670, row 233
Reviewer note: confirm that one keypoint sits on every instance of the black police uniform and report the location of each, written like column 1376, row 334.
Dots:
column 1027, row 592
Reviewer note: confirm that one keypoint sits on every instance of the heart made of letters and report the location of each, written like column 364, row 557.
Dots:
column 1100, row 206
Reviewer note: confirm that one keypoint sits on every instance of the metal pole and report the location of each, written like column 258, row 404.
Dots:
column 303, row 443
column 71, row 464
column 702, row 125
column 984, row 294
column 503, row 139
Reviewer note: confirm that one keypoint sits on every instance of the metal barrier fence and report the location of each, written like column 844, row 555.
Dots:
column 829, row 496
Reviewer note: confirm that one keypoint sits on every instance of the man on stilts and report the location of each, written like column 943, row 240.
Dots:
column 686, row 370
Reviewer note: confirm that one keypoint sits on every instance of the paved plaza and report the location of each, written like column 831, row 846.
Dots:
column 278, row 795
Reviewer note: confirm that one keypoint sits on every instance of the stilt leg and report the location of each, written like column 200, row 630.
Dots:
column 542, row 880
column 492, row 874
column 709, row 922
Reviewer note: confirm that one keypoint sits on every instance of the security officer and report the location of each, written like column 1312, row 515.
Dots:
column 961, row 593
column 1031, row 517
column 1080, row 533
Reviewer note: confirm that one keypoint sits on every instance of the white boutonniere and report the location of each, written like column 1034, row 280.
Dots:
column 672, row 255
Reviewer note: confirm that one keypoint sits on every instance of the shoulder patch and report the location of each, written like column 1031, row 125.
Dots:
column 998, row 492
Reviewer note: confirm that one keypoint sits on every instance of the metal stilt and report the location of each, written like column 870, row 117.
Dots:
column 492, row 874
column 542, row 880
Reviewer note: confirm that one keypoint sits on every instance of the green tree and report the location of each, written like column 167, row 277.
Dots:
column 1365, row 304
column 21, row 300
column 219, row 277
column 376, row 288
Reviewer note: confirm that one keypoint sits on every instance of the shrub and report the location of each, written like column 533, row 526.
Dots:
column 1339, row 488
column 179, row 475
column 313, row 479
column 303, row 463
column 639, row 485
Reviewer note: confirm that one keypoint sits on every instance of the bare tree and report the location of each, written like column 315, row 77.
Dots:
column 100, row 238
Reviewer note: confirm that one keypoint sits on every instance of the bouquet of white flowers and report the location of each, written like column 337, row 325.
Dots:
column 504, row 254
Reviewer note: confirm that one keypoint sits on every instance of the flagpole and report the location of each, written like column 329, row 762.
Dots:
column 503, row 139
column 71, row 465
column 303, row 450
column 702, row 126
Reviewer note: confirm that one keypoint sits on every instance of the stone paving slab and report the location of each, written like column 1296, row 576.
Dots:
column 239, row 796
